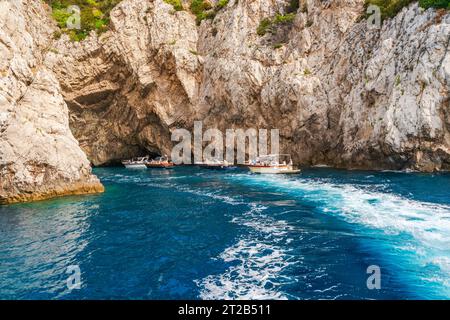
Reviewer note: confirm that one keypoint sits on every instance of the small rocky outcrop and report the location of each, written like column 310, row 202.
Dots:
column 39, row 156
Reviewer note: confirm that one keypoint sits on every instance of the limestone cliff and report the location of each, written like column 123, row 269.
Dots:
column 341, row 94
column 39, row 157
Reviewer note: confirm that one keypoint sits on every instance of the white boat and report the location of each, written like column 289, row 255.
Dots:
column 271, row 164
column 136, row 163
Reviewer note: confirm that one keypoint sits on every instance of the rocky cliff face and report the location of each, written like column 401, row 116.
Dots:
column 341, row 94
column 39, row 157
column 127, row 89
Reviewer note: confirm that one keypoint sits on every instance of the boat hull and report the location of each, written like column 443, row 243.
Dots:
column 273, row 170
column 135, row 166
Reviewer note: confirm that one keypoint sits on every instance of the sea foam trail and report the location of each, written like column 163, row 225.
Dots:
column 427, row 224
column 259, row 260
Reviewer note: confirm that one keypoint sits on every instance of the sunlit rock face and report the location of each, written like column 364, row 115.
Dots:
column 39, row 156
column 341, row 94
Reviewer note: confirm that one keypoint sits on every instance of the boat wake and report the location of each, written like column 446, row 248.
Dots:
column 413, row 234
column 422, row 229
column 258, row 261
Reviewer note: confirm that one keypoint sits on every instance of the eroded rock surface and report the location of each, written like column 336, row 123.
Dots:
column 341, row 94
column 127, row 89
column 39, row 156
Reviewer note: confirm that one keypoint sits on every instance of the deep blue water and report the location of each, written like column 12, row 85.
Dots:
column 191, row 233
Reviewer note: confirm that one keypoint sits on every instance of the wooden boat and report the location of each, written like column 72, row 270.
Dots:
column 136, row 163
column 271, row 164
column 160, row 162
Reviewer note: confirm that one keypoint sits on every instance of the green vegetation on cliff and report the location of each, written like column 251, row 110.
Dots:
column 202, row 9
column 94, row 15
column 390, row 8
column 177, row 4
column 268, row 24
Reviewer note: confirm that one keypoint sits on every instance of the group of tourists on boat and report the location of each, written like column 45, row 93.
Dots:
column 268, row 164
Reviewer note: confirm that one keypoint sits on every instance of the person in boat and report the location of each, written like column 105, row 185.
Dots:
column 160, row 162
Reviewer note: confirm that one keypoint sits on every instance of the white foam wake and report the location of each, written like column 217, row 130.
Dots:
column 258, row 262
column 427, row 224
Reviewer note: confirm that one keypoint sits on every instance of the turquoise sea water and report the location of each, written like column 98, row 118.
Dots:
column 191, row 233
